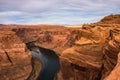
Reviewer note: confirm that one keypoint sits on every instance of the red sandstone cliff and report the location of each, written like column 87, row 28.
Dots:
column 94, row 54
column 54, row 37
column 15, row 58
column 115, row 73
column 112, row 59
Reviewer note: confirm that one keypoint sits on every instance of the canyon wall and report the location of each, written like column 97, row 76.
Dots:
column 58, row 38
column 85, row 57
column 15, row 58
column 94, row 55
column 115, row 73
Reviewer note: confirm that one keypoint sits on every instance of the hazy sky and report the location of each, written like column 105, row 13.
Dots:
column 56, row 11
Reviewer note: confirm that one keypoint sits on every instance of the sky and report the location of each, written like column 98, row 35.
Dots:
column 72, row 12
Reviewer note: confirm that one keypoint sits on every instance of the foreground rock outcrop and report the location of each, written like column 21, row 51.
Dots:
column 85, row 57
column 111, row 51
column 15, row 58
column 94, row 54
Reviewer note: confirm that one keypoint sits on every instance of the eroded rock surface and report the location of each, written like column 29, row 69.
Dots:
column 15, row 58
column 111, row 51
column 111, row 19
column 85, row 57
column 93, row 56
column 54, row 37
column 115, row 74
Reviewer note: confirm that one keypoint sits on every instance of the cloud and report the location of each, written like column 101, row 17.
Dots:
column 11, row 13
column 56, row 11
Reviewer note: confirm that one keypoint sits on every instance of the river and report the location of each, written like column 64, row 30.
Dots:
column 50, row 63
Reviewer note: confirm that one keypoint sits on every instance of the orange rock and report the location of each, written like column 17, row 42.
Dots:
column 15, row 58
column 115, row 74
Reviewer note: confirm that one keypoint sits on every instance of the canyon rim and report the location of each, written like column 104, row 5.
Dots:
column 90, row 52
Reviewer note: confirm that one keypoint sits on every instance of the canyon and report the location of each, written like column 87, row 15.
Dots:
column 90, row 52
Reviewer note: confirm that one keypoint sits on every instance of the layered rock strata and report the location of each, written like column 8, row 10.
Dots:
column 15, row 58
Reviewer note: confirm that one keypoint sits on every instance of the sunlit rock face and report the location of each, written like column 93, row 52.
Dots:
column 115, row 74
column 84, row 61
column 111, row 63
column 94, row 55
column 15, row 58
